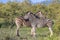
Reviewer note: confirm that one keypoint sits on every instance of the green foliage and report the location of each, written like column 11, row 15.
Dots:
column 10, row 10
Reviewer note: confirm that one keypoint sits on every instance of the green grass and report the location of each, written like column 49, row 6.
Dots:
column 42, row 34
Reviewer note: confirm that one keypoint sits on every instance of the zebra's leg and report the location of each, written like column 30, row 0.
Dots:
column 18, row 26
column 17, row 30
column 33, row 32
column 50, row 29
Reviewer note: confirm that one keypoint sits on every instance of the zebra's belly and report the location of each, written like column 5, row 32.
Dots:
column 40, row 25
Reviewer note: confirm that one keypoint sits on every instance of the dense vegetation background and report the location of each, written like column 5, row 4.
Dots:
column 10, row 10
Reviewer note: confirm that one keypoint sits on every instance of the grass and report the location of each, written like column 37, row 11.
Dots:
column 42, row 34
